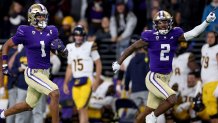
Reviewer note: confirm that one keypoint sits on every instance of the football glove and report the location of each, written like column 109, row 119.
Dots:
column 198, row 104
column 211, row 17
column 115, row 66
column 57, row 44
column 5, row 69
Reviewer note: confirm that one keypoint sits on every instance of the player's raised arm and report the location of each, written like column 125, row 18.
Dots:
column 138, row 44
column 198, row 29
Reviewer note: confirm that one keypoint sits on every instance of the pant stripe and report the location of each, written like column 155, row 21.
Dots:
column 37, row 80
column 157, row 85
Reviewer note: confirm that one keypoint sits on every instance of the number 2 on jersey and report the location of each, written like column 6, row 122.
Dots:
column 42, row 43
column 165, row 48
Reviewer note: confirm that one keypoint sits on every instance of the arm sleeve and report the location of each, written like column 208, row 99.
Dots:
column 196, row 31
column 19, row 36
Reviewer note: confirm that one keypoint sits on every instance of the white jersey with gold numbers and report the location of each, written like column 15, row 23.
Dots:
column 209, row 66
column 82, row 58
column 180, row 71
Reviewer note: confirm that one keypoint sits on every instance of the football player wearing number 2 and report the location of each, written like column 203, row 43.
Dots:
column 162, row 43
column 39, row 39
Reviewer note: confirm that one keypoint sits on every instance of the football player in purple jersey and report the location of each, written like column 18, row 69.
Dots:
column 39, row 39
column 162, row 43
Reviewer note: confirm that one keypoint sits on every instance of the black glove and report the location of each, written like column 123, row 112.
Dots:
column 198, row 104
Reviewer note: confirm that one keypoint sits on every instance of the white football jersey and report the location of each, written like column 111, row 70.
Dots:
column 81, row 59
column 209, row 66
column 180, row 71
column 189, row 93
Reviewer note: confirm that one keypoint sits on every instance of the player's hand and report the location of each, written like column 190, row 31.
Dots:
column 115, row 66
column 66, row 89
column 2, row 91
column 5, row 69
column 57, row 44
column 215, row 93
column 211, row 17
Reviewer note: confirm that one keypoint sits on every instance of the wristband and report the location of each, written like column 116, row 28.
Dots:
column 207, row 21
column 5, row 57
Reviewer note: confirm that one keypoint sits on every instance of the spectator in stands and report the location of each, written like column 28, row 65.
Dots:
column 15, row 17
column 122, row 25
column 136, row 73
column 214, row 25
column 78, row 8
column 106, row 48
column 11, row 84
column 67, row 26
column 94, row 15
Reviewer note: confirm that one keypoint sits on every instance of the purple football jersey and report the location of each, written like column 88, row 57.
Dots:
column 37, row 44
column 161, row 48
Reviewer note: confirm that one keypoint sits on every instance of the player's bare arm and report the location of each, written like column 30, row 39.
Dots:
column 98, row 73
column 198, row 29
column 68, row 76
column 138, row 44
column 192, row 63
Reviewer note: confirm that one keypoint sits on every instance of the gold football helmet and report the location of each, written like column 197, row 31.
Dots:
column 37, row 10
column 163, row 16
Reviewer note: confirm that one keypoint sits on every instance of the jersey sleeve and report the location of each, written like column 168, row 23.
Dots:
column 19, row 36
column 69, row 56
column 54, row 32
column 145, row 35
column 179, row 31
column 94, row 53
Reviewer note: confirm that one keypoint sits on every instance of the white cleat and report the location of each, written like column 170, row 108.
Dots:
column 151, row 118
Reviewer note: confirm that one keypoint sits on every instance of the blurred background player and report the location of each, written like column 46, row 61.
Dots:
column 162, row 42
column 38, row 39
column 183, row 63
column 209, row 62
column 81, row 59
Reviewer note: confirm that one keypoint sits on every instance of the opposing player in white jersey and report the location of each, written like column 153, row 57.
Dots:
column 209, row 71
column 82, row 56
column 183, row 63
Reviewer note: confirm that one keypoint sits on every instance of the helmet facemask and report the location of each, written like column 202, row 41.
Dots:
column 163, row 17
column 35, row 13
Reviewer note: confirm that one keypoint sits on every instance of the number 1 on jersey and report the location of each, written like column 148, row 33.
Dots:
column 42, row 43
column 165, row 48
